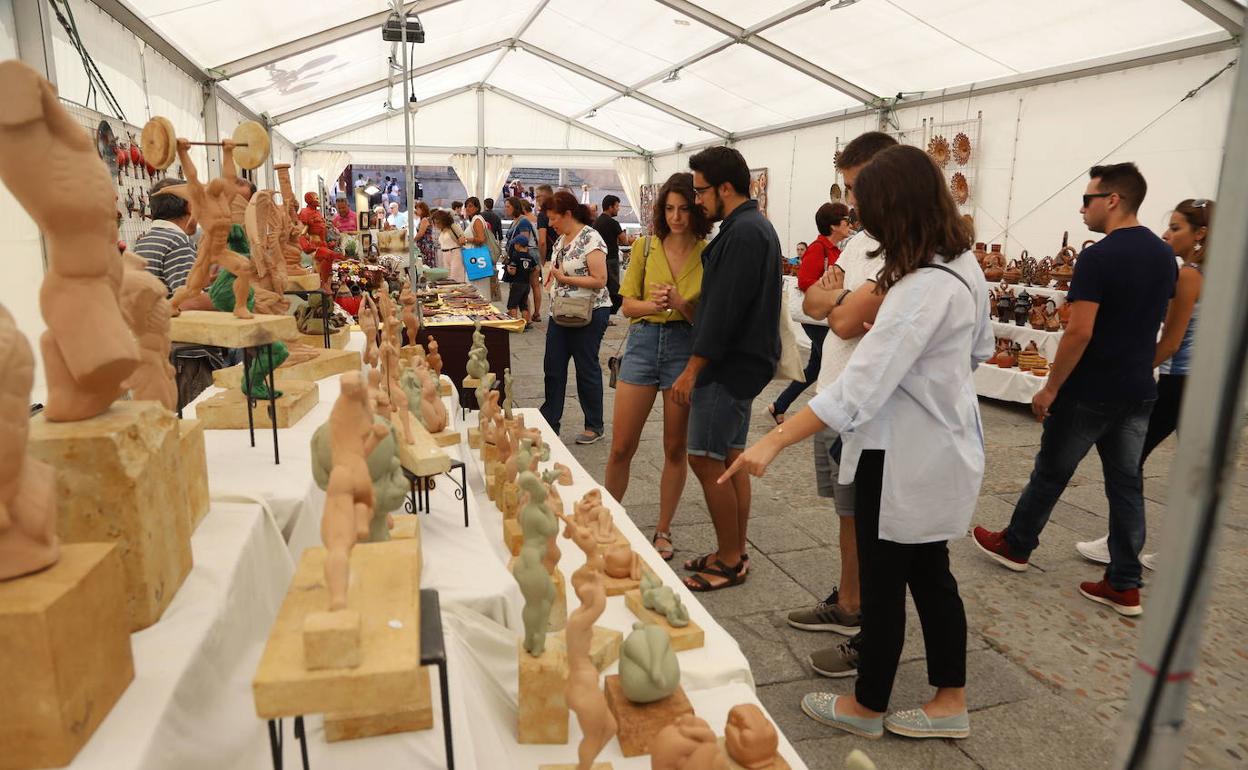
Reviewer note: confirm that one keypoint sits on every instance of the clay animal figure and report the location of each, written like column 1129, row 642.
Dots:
column 147, row 313
column 688, row 743
column 649, row 670
column 28, row 541
column 87, row 351
column 349, row 498
column 584, row 696
column 537, row 523
column 390, row 487
column 663, row 600
column 750, row 738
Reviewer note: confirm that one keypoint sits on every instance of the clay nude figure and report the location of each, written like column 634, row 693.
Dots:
column 391, row 370
column 28, row 541
column 408, row 300
column 88, row 350
column 585, row 698
column 750, row 738
column 508, row 400
column 434, row 357
column 147, row 313
column 622, row 561
column 649, row 670
column 688, row 743
column 390, row 487
column 412, row 385
column 432, row 410
column 477, row 365
column 349, row 498
column 537, row 523
column 368, row 325
column 588, row 501
column 212, row 207
column 663, row 600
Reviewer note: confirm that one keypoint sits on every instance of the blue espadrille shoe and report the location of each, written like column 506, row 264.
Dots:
column 915, row 723
column 821, row 707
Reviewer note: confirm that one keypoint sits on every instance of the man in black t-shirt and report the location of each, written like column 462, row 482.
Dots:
column 1100, row 389
column 615, row 237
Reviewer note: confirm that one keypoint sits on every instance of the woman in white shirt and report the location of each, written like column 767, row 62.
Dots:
column 449, row 254
column 906, row 410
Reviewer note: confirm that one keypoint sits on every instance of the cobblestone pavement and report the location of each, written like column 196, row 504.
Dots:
column 1048, row 671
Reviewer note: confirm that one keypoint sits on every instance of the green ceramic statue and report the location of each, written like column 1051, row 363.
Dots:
column 389, row 484
column 648, row 667
column 663, row 600
column 478, row 365
column 255, row 384
column 508, row 400
column 538, row 524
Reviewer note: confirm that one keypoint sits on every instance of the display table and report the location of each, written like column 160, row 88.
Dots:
column 1007, row 384
column 1046, row 342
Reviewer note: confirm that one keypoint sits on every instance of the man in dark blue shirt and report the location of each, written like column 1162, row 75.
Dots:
column 736, row 347
column 1100, row 389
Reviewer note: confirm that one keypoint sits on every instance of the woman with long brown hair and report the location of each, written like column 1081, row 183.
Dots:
column 907, row 414
column 660, row 292
column 426, row 242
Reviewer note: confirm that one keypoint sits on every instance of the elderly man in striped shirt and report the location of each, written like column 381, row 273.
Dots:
column 167, row 245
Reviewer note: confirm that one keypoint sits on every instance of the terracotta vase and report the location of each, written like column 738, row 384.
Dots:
column 1013, row 273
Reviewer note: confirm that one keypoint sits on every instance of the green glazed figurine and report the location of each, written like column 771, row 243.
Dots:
column 649, row 670
column 389, row 485
column 538, row 524
column 663, row 600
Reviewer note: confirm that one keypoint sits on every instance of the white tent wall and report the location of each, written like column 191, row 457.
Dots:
column 1062, row 129
column 8, row 31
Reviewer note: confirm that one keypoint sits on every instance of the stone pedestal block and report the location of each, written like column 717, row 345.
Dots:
column 639, row 722
column 194, row 469
column 543, row 710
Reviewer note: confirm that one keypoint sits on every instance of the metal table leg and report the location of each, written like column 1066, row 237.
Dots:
column 271, row 379
column 251, row 402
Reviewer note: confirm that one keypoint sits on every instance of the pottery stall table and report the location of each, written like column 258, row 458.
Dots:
column 1014, row 384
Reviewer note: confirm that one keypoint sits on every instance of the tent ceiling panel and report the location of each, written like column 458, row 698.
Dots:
column 743, row 13
column 450, row 122
column 644, row 125
column 511, row 124
column 740, row 88
column 624, row 40
column 532, row 77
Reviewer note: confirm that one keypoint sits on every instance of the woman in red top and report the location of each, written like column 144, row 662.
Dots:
column 832, row 221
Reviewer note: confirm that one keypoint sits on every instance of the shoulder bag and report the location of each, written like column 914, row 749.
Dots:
column 571, row 312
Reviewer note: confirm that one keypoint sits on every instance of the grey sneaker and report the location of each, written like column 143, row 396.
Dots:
column 827, row 615
column 836, row 662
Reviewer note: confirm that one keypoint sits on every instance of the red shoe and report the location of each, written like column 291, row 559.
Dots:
column 1123, row 602
column 993, row 544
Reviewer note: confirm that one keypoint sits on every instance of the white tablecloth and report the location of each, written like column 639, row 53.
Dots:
column 1007, row 384
column 1045, row 341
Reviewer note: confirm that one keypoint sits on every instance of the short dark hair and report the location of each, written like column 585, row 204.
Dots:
column 680, row 183
column 457, row 204
column 1124, row 179
column 489, row 204
column 442, row 219
column 609, row 200
column 906, row 205
column 863, row 148
column 830, row 215
column 564, row 202
column 544, row 188
column 720, row 165
column 250, row 184
column 526, row 205
column 803, row 243
column 168, row 206
column 517, row 205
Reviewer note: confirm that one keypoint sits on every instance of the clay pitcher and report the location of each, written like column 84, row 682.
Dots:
column 1013, row 273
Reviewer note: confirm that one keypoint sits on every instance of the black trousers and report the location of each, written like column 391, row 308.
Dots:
column 884, row 570
column 1165, row 417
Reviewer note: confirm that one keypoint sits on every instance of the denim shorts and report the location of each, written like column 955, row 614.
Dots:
column 656, row 354
column 718, row 422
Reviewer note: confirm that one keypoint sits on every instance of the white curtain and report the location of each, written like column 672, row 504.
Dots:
column 497, row 167
column 465, row 166
column 632, row 173
column 325, row 164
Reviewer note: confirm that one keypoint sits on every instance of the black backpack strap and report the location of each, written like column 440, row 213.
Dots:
column 955, row 274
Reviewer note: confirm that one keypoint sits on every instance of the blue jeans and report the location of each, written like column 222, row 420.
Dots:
column 817, row 335
column 1071, row 429
column 581, row 345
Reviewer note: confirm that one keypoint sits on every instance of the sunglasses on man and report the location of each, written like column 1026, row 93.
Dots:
column 1087, row 197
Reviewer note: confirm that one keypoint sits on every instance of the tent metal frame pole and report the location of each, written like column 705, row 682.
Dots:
column 524, row 27
column 1201, row 478
column 481, row 143
column 409, row 179
column 309, row 42
column 33, row 22
column 565, row 119
column 212, row 131
column 321, row 138
column 451, row 150
column 1225, row 13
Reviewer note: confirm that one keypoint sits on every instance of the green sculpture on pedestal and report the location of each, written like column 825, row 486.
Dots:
column 648, row 667
column 539, row 524
column 389, row 484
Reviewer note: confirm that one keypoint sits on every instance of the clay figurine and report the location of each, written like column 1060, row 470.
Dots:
column 88, row 350
column 688, row 743
column 412, row 385
column 368, row 324
column 432, row 410
column 663, row 600
column 147, row 313
column 508, row 398
column 315, row 238
column 390, row 487
column 621, row 561
column 649, row 670
column 434, row 357
column 750, row 738
column 28, row 541
column 410, row 322
column 584, row 696
column 537, row 523
column 263, row 223
column 1035, row 316
column 1063, row 313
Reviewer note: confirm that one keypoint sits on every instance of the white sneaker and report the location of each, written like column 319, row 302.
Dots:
column 1149, row 560
column 1095, row 550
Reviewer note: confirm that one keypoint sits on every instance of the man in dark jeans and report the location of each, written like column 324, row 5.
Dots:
column 1100, row 389
column 736, row 347
column 615, row 237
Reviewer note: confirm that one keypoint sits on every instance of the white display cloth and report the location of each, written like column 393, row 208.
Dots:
column 1046, row 342
column 1007, row 384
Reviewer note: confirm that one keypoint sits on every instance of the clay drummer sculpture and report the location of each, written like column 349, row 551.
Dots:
column 88, row 351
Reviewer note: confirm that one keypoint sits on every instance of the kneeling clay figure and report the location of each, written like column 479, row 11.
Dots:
column 663, row 600
column 751, row 738
column 622, row 562
column 649, row 670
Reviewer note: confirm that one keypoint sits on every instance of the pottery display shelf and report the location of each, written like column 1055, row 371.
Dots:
column 1046, row 341
column 1058, row 295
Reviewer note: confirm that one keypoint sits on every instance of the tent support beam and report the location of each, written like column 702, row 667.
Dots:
column 1225, row 13
column 524, row 27
column 621, row 89
column 369, row 88
column 307, row 43
column 449, row 150
column 1198, row 46
column 565, row 119
column 745, row 37
column 321, row 138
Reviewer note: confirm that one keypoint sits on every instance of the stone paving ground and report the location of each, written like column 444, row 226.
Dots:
column 1048, row 671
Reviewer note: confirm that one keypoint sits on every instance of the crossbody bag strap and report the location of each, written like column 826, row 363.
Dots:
column 955, row 274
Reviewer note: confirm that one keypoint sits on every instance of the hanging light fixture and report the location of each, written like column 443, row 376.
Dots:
column 592, row 113
column 841, row 4
column 672, row 76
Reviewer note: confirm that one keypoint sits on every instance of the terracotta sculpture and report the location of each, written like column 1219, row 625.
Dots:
column 663, row 600
column 538, row 523
column 263, row 223
column 390, row 486
column 688, row 743
column 432, row 410
column 45, row 155
column 290, row 229
column 1063, row 313
column 584, row 697
column 315, row 240
column 649, row 670
column 1064, row 269
column 508, row 398
column 147, row 313
column 410, row 322
column 477, row 365
column 1042, row 273
column 28, row 540
column 368, row 324
column 590, row 500
column 1035, row 316
column 212, row 207
column 750, row 738
column 434, row 357
column 1052, row 322
column 349, row 498
column 622, row 561
column 994, row 264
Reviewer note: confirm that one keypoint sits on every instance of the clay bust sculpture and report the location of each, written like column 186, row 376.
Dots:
column 584, row 697
column 688, row 743
column 649, row 670
column 390, row 487
column 750, row 738
column 663, row 600
column 88, row 350
column 28, row 541
column 349, row 498
column 537, row 523
column 147, row 313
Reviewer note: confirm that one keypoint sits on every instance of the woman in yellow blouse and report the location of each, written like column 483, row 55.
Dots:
column 660, row 290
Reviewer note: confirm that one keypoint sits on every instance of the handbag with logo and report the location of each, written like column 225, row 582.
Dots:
column 478, row 263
